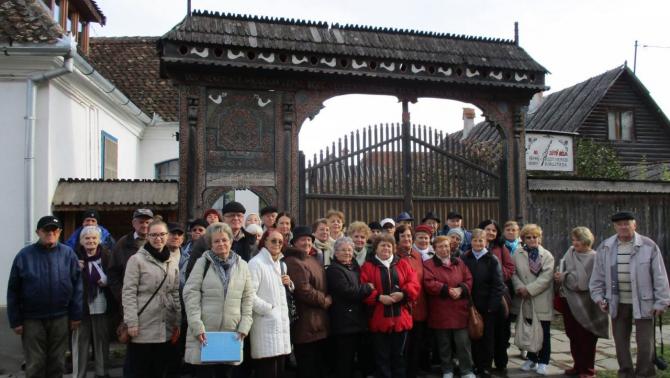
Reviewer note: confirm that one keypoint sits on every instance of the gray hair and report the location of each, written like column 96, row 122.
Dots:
column 217, row 228
column 89, row 230
column 343, row 242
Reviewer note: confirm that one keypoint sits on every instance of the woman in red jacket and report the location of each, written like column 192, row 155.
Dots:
column 395, row 285
column 448, row 282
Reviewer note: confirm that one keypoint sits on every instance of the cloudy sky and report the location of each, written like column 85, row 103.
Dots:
column 573, row 39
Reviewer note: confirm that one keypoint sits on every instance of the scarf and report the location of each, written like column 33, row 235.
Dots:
column 534, row 260
column 511, row 245
column 479, row 254
column 426, row 254
column 387, row 262
column 162, row 255
column 446, row 261
column 222, row 268
column 91, row 272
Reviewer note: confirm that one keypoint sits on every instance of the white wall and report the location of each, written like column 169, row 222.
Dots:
column 158, row 144
column 12, row 126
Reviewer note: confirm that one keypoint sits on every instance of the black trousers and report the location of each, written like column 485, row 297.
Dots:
column 244, row 369
column 389, row 354
column 416, row 349
column 347, row 349
column 311, row 359
column 502, row 332
column 271, row 367
column 213, row 371
column 482, row 349
column 148, row 360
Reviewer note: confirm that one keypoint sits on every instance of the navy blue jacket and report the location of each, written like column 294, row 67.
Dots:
column 44, row 284
column 466, row 244
column 106, row 239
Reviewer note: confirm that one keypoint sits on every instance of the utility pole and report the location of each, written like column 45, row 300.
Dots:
column 635, row 57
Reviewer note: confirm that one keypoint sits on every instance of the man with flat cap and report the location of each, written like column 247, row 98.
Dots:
column 44, row 299
column 629, row 282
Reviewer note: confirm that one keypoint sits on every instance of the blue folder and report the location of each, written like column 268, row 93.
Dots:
column 221, row 347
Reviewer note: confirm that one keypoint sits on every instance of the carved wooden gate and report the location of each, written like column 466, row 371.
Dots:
column 382, row 170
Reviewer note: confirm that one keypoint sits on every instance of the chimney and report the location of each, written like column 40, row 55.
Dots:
column 468, row 122
column 535, row 102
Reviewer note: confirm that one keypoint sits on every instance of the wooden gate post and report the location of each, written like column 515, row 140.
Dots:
column 406, row 159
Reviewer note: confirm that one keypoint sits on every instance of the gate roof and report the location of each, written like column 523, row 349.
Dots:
column 294, row 45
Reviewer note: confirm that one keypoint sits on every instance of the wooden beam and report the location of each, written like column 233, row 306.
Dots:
column 74, row 25
column 84, row 39
column 62, row 19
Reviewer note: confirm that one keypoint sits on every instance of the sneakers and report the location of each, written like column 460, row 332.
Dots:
column 448, row 375
column 541, row 369
column 528, row 365
column 469, row 375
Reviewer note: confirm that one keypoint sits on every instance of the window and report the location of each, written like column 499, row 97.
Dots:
column 620, row 125
column 168, row 170
column 110, row 153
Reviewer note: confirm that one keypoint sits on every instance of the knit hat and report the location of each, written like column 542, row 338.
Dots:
column 425, row 229
column 458, row 233
column 254, row 229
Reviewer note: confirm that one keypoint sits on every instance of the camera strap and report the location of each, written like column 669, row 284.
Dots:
column 660, row 330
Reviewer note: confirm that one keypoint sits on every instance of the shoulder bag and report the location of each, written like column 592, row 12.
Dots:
column 122, row 330
column 528, row 336
column 290, row 300
column 475, row 322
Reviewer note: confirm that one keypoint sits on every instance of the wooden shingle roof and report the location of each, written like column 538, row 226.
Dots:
column 132, row 64
column 280, row 44
column 567, row 109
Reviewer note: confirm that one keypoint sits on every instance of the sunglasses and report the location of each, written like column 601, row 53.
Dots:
column 275, row 241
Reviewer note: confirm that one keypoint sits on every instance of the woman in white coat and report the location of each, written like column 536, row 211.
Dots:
column 218, row 296
column 270, row 332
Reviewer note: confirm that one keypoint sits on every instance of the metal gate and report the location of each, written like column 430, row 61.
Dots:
column 382, row 170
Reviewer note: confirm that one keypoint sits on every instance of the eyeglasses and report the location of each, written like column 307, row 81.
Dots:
column 158, row 235
column 275, row 241
column 233, row 215
column 531, row 237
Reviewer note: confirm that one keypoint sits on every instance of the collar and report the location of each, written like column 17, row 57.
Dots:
column 479, row 254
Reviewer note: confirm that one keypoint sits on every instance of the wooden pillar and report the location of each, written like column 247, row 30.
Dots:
column 84, row 38
column 74, row 25
column 521, row 192
column 62, row 19
column 406, row 158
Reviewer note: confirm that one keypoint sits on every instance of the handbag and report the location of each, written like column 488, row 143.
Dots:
column 122, row 329
column 290, row 300
column 659, row 361
column 475, row 322
column 528, row 336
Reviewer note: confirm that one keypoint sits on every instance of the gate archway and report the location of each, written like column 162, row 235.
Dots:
column 246, row 84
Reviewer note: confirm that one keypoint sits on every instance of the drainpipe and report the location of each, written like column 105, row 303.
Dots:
column 31, row 109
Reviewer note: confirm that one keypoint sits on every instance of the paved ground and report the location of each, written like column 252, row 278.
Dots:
column 10, row 355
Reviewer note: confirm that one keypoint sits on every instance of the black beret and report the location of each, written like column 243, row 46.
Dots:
column 623, row 215
column 268, row 209
column 233, row 207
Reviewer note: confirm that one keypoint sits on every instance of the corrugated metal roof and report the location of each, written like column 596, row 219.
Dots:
column 319, row 37
column 605, row 186
column 83, row 192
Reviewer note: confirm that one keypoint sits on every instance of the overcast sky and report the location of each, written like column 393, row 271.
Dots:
column 573, row 39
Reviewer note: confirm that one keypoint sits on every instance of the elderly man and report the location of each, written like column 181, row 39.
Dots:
column 44, row 299
column 455, row 221
column 91, row 218
column 630, row 282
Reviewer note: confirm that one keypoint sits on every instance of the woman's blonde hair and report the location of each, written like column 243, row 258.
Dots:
column 217, row 228
column 358, row 226
column 583, row 235
column 478, row 233
column 531, row 229
column 337, row 213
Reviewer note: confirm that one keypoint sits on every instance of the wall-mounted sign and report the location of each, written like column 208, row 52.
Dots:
column 546, row 152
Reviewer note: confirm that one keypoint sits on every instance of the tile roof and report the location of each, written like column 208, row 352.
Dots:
column 72, row 193
column 132, row 64
column 481, row 132
column 27, row 21
column 567, row 109
column 596, row 185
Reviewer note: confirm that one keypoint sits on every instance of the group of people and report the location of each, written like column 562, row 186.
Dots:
column 384, row 298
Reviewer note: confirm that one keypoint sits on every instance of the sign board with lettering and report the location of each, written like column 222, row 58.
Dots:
column 547, row 152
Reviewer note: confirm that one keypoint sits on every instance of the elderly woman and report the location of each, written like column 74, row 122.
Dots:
column 487, row 291
column 502, row 327
column 310, row 330
column 511, row 235
column 448, row 283
column 151, row 307
column 218, row 297
column 252, row 218
column 456, row 237
column 584, row 322
column 423, row 234
column 335, row 224
column 347, row 314
column 533, row 285
column 322, row 240
column 93, row 260
column 415, row 341
column 359, row 232
column 270, row 330
column 394, row 284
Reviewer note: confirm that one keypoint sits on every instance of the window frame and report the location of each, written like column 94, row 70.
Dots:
column 619, row 112
column 168, row 161
column 104, row 137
